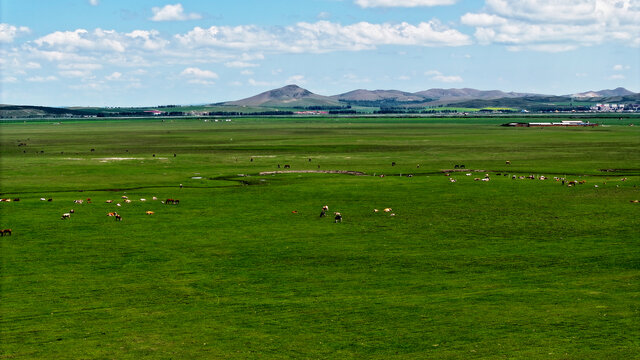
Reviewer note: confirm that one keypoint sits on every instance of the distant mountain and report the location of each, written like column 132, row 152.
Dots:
column 377, row 95
column 620, row 91
column 288, row 96
column 466, row 93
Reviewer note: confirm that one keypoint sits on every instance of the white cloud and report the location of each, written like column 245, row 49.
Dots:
column 402, row 3
column 620, row 67
column 80, row 66
column 296, row 79
column 172, row 13
column 42, row 79
column 9, row 79
column 74, row 73
column 254, row 82
column 246, row 72
column 114, row 76
column 9, row 32
column 616, row 77
column 150, row 40
column 94, row 2
column 240, row 64
column 197, row 73
column 582, row 74
column 438, row 76
column 323, row 36
column 82, row 39
column 554, row 26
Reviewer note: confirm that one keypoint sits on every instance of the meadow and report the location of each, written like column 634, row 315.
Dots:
column 244, row 267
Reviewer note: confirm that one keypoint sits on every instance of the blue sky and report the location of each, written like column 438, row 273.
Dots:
column 151, row 52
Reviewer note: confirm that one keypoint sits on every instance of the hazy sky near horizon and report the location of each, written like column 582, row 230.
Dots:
column 152, row 52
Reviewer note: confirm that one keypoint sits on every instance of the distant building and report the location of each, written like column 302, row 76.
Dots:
column 545, row 124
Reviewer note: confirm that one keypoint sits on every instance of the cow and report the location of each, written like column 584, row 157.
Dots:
column 387, row 210
column 118, row 217
column 375, row 210
column 112, row 214
column 127, row 201
column 393, row 163
column 109, row 201
column 77, row 201
column 456, row 166
column 6, row 232
column 461, row 166
column 337, row 218
column 16, row 199
column 507, row 162
column 71, row 211
column 169, row 201
column 287, row 166
column 66, row 216
column 323, row 213
column 149, row 212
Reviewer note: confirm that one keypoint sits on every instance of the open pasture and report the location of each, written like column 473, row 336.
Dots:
column 244, row 267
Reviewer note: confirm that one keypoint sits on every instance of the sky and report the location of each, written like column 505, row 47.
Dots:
column 155, row 52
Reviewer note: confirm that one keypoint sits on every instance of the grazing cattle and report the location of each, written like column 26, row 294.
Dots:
column 49, row 199
column 77, row 201
column 456, row 166
column 461, row 166
column 507, row 162
column 418, row 166
column 393, row 163
column 112, row 214
column 476, row 179
column 127, row 201
column 154, row 198
column 387, row 210
column 337, row 218
column 486, row 179
column 5, row 200
column 66, row 216
column 375, row 210
column 92, row 150
column 323, row 213
column 468, row 174
column 287, row 166
column 278, row 166
column 392, row 214
column 452, row 180
column 124, row 197
column 43, row 199
column 150, row 213
column 172, row 202
column 251, row 160
column 143, row 199
column 72, row 211
column 118, row 204
column 294, row 212
column 6, row 232
column 118, row 217
column 325, row 208
column 16, row 199
column 109, row 201
column 572, row 182
column 634, row 201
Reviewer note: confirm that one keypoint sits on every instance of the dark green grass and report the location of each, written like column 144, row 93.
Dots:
column 499, row 269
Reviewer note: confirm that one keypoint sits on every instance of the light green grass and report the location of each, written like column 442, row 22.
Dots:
column 500, row 269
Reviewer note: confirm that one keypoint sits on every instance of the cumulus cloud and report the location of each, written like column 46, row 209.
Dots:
column 239, row 64
column 42, row 78
column 172, row 13
column 554, row 26
column 616, row 77
column 324, row 36
column 620, row 67
column 83, row 39
column 114, row 76
column 94, row 2
column 436, row 75
column 9, row 32
column 198, row 76
column 402, row 3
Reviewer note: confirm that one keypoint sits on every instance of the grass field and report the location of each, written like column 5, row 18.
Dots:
column 506, row 268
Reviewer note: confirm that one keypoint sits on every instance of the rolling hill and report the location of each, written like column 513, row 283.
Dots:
column 290, row 96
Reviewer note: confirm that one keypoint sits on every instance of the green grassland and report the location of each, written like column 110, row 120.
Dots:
column 509, row 268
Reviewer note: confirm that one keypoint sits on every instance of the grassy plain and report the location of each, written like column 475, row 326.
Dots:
column 466, row 270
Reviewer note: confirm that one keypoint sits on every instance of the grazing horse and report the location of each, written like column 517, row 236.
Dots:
column 5, row 232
